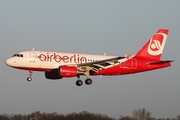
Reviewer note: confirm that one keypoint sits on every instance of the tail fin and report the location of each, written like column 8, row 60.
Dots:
column 154, row 47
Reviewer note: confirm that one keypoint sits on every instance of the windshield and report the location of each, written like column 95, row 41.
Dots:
column 18, row 55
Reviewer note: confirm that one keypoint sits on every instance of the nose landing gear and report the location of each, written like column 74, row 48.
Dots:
column 30, row 74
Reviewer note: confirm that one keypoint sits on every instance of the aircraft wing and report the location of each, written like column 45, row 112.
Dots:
column 98, row 65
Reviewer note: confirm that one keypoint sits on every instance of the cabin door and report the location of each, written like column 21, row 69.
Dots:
column 133, row 63
column 32, row 56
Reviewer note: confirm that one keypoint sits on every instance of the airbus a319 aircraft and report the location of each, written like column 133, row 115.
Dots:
column 58, row 65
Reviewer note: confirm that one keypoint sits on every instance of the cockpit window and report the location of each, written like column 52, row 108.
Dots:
column 18, row 55
column 14, row 55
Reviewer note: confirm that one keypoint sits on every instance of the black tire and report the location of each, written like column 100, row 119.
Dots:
column 29, row 79
column 88, row 81
column 79, row 82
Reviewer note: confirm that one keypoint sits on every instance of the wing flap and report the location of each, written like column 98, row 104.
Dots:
column 103, row 62
column 97, row 65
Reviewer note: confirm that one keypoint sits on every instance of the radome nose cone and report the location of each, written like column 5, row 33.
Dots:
column 8, row 62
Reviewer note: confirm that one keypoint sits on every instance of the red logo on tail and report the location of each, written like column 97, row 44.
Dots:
column 156, row 44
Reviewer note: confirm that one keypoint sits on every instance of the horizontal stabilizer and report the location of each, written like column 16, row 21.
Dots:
column 161, row 62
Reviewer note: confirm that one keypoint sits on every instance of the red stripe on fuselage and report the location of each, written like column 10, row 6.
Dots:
column 34, row 69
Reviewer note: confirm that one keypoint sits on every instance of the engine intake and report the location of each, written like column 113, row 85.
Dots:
column 53, row 74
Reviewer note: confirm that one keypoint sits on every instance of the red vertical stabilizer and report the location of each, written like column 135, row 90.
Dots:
column 154, row 47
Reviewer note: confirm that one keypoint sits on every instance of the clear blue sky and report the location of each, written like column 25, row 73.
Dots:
column 115, row 27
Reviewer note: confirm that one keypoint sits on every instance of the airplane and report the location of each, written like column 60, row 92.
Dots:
column 58, row 65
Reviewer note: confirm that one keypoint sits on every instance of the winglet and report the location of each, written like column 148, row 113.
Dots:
column 127, row 56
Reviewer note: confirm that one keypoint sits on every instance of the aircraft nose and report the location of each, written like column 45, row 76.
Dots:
column 9, row 62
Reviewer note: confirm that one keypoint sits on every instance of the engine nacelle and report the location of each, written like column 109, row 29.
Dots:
column 67, row 71
column 53, row 74
column 62, row 71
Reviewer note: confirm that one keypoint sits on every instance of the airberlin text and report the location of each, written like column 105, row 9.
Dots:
column 65, row 58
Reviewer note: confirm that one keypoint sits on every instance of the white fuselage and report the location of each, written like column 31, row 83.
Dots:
column 45, row 61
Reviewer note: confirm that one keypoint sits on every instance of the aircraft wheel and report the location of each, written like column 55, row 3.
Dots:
column 88, row 81
column 29, row 79
column 79, row 82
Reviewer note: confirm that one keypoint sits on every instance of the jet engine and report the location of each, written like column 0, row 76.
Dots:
column 62, row 71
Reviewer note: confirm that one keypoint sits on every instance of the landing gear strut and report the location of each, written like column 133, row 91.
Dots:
column 79, row 81
column 30, row 74
column 88, row 81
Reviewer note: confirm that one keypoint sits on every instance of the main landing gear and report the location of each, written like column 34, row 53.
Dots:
column 79, row 82
column 30, row 74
